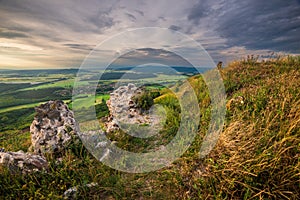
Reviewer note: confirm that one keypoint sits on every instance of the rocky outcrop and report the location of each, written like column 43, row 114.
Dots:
column 23, row 162
column 123, row 109
column 53, row 128
column 126, row 115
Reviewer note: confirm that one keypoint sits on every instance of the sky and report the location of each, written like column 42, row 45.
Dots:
column 61, row 33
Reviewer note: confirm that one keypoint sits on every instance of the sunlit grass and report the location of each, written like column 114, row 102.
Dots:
column 256, row 157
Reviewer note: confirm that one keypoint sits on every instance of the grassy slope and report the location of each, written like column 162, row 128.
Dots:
column 257, row 155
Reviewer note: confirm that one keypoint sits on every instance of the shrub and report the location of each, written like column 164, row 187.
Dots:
column 145, row 99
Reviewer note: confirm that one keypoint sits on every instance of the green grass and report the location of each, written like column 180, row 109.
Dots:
column 64, row 84
column 31, row 105
column 91, row 100
column 256, row 157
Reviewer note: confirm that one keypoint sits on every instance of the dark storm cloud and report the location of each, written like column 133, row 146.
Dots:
column 131, row 17
column 254, row 24
column 102, row 21
column 150, row 55
column 264, row 25
column 69, row 15
column 175, row 28
column 12, row 34
column 142, row 13
column 200, row 10
column 80, row 47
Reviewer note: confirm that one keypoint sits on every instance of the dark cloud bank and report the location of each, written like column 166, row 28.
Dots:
column 255, row 24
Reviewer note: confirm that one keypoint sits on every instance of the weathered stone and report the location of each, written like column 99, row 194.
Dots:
column 71, row 193
column 53, row 128
column 23, row 162
column 125, row 114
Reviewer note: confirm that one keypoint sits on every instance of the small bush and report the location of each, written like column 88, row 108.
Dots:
column 145, row 99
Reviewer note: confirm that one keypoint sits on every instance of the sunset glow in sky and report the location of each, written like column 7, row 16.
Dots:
column 59, row 34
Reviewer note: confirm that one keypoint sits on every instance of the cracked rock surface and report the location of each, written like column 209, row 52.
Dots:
column 126, row 115
column 25, row 162
column 53, row 128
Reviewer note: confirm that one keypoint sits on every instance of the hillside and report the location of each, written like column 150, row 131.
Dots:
column 256, row 157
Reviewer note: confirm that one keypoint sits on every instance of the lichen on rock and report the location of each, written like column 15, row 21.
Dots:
column 128, row 115
column 23, row 162
column 53, row 128
column 52, row 131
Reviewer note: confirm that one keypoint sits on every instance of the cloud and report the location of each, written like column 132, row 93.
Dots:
column 149, row 55
column 71, row 28
column 254, row 24
column 264, row 25
column 102, row 20
column 12, row 34
column 139, row 12
column 175, row 28
column 19, row 46
column 199, row 11
column 131, row 17
column 83, row 47
column 57, row 28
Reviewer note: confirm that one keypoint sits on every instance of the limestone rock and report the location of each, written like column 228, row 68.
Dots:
column 126, row 115
column 122, row 109
column 53, row 128
column 24, row 162
column 71, row 193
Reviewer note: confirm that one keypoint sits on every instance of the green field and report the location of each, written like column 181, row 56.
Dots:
column 21, row 90
column 64, row 83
